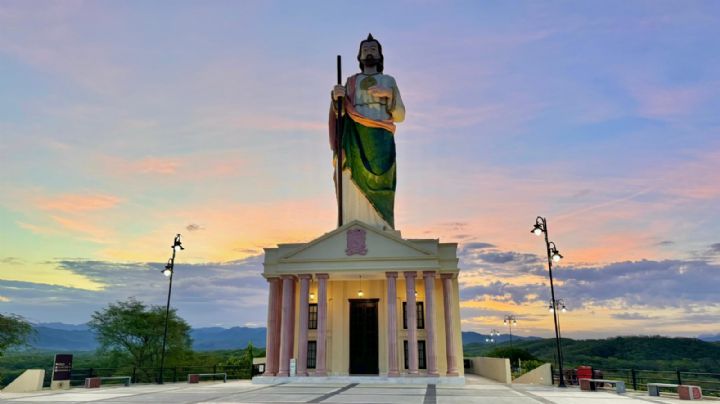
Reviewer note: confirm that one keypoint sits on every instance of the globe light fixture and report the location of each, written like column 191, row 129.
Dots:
column 559, row 303
column 537, row 230
column 493, row 333
column 168, row 268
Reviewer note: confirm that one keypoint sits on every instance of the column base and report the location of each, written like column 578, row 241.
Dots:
column 321, row 373
column 452, row 374
column 283, row 374
column 435, row 374
column 269, row 374
column 394, row 374
column 303, row 373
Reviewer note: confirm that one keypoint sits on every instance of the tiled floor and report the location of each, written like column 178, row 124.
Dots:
column 477, row 390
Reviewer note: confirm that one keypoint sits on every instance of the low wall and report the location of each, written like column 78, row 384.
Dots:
column 540, row 375
column 497, row 369
column 31, row 380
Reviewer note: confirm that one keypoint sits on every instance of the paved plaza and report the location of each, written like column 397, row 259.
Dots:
column 477, row 390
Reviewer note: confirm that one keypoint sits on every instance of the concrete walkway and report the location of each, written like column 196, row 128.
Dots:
column 477, row 390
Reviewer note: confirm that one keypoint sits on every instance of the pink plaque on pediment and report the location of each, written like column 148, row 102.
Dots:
column 356, row 242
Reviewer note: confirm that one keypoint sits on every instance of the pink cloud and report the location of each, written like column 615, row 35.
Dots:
column 84, row 229
column 36, row 229
column 155, row 165
column 78, row 203
column 662, row 102
column 196, row 166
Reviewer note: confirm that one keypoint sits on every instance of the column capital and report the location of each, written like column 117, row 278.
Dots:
column 305, row 276
column 429, row 274
column 272, row 278
column 410, row 274
column 293, row 277
column 451, row 275
column 391, row 274
column 322, row 276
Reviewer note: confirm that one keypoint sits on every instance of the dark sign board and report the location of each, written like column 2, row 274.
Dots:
column 62, row 367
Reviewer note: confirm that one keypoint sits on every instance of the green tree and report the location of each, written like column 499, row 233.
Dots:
column 240, row 365
column 14, row 330
column 134, row 329
column 511, row 353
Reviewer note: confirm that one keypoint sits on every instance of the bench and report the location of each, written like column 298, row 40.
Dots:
column 589, row 384
column 195, row 377
column 685, row 392
column 95, row 382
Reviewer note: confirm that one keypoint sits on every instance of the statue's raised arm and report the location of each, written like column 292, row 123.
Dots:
column 372, row 105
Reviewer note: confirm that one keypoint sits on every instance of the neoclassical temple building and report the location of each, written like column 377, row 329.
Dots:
column 363, row 301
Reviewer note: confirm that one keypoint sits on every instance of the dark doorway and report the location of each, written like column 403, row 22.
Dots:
column 364, row 337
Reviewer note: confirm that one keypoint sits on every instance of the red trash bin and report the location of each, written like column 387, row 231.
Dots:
column 584, row 372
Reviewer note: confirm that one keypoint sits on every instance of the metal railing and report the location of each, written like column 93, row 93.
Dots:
column 637, row 379
column 152, row 375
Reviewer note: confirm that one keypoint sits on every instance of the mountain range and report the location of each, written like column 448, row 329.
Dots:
column 72, row 337
column 79, row 337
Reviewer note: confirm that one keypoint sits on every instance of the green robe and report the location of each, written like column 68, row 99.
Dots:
column 370, row 157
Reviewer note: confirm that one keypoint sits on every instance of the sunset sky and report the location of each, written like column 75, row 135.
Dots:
column 124, row 123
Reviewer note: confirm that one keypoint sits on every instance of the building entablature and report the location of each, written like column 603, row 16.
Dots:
column 358, row 248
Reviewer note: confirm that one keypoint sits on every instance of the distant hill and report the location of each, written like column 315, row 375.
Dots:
column 642, row 352
column 65, row 338
column 710, row 337
column 471, row 337
column 212, row 338
column 71, row 337
column 79, row 337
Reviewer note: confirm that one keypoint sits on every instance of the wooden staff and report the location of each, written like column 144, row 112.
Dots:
column 338, row 145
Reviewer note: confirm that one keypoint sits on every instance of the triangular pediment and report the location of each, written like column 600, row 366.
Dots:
column 356, row 241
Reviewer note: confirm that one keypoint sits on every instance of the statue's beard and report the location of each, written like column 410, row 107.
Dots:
column 370, row 61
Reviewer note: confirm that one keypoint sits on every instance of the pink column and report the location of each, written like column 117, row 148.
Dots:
column 303, row 336
column 392, row 324
column 429, row 277
column 292, row 320
column 286, row 331
column 278, row 325
column 272, row 328
column 447, row 281
column 321, row 324
column 411, row 317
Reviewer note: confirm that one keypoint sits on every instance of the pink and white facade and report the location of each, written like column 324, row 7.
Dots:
column 363, row 301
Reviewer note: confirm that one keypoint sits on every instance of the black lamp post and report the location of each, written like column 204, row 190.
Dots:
column 168, row 271
column 510, row 320
column 552, row 255
column 554, row 305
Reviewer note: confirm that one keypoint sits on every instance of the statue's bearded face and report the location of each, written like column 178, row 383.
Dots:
column 370, row 53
